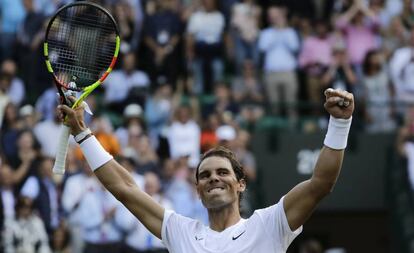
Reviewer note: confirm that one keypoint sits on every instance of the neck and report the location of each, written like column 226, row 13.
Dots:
column 222, row 218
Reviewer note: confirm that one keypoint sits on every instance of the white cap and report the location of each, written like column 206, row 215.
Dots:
column 26, row 110
column 226, row 133
column 133, row 110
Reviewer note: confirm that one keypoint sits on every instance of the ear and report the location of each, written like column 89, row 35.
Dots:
column 242, row 185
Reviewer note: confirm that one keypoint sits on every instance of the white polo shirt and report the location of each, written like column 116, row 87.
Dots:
column 267, row 230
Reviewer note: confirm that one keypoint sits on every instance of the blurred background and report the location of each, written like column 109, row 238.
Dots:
column 246, row 74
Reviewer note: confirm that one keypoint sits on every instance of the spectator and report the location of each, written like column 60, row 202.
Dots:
column 98, row 228
column 360, row 27
column 75, row 189
column 43, row 191
column 46, row 103
column 208, row 138
column 223, row 101
column 103, row 130
column 340, row 74
column 120, row 84
column 14, row 86
column 205, row 43
column 184, row 136
column 7, row 195
column 279, row 41
column 138, row 238
column 133, row 124
column 25, row 159
column 408, row 14
column 27, row 117
column 158, row 110
column 26, row 233
column 314, row 59
column 405, row 143
column 47, row 132
column 124, row 14
column 245, row 22
column 30, row 36
column 395, row 36
column 401, row 68
column 60, row 240
column 10, row 128
column 12, row 14
column 378, row 98
column 162, row 36
column 147, row 157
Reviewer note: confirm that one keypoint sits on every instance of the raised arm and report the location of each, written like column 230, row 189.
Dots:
column 113, row 176
column 302, row 200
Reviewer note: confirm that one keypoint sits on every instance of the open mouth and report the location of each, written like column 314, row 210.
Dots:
column 215, row 189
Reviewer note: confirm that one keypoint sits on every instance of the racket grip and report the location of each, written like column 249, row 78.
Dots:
column 62, row 150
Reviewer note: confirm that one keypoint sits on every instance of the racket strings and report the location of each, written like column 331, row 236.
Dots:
column 82, row 44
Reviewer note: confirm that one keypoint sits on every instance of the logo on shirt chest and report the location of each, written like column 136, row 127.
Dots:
column 237, row 237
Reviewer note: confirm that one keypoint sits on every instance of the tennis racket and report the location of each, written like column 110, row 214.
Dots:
column 81, row 48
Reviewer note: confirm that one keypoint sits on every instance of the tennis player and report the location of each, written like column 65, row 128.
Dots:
column 220, row 183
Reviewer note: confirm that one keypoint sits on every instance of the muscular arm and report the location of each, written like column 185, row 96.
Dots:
column 118, row 180
column 302, row 200
column 120, row 183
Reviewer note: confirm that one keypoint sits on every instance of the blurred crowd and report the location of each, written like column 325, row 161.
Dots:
column 191, row 75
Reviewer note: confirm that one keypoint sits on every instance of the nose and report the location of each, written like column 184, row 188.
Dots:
column 213, row 178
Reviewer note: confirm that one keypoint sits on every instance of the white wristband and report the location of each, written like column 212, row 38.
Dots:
column 80, row 136
column 95, row 154
column 337, row 135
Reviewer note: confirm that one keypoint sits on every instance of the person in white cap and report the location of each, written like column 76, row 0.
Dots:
column 220, row 183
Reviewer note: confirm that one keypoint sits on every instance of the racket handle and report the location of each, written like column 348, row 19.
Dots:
column 62, row 150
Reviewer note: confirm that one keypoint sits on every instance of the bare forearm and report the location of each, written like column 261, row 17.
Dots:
column 327, row 170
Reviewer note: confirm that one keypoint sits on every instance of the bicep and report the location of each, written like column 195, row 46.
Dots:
column 121, row 184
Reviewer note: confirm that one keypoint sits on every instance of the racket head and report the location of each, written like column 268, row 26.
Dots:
column 81, row 45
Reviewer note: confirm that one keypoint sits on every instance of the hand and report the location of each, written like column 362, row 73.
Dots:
column 73, row 118
column 334, row 99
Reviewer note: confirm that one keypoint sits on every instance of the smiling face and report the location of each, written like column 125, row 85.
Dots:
column 217, row 185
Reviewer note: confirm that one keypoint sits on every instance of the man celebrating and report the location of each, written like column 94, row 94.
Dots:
column 220, row 184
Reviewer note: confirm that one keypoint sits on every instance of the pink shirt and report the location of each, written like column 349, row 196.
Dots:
column 359, row 39
column 316, row 50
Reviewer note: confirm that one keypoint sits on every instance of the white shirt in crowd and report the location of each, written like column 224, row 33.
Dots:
column 184, row 139
column 118, row 84
column 206, row 26
column 138, row 237
column 16, row 92
column 402, row 73
column 279, row 44
column 92, row 210
column 31, row 189
column 267, row 230
column 8, row 203
column 47, row 133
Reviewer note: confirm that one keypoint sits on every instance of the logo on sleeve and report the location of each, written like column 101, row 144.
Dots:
column 198, row 238
column 237, row 237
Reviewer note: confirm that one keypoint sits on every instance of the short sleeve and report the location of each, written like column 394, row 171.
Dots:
column 276, row 224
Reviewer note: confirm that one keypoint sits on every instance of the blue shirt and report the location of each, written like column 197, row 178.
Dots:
column 12, row 15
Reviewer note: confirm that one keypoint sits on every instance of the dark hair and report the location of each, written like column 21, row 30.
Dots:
column 224, row 152
column 366, row 64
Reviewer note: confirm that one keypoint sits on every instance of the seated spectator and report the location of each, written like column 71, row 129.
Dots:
column 27, row 232
column 184, row 136
column 43, row 191
column 377, row 96
column 223, row 101
column 61, row 239
column 103, row 130
column 14, row 85
column 158, row 111
column 138, row 238
column 10, row 128
column 205, row 44
column 133, row 124
column 47, row 132
column 46, row 103
column 208, row 138
column 408, row 14
column 248, row 93
column 120, row 84
column 7, row 195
